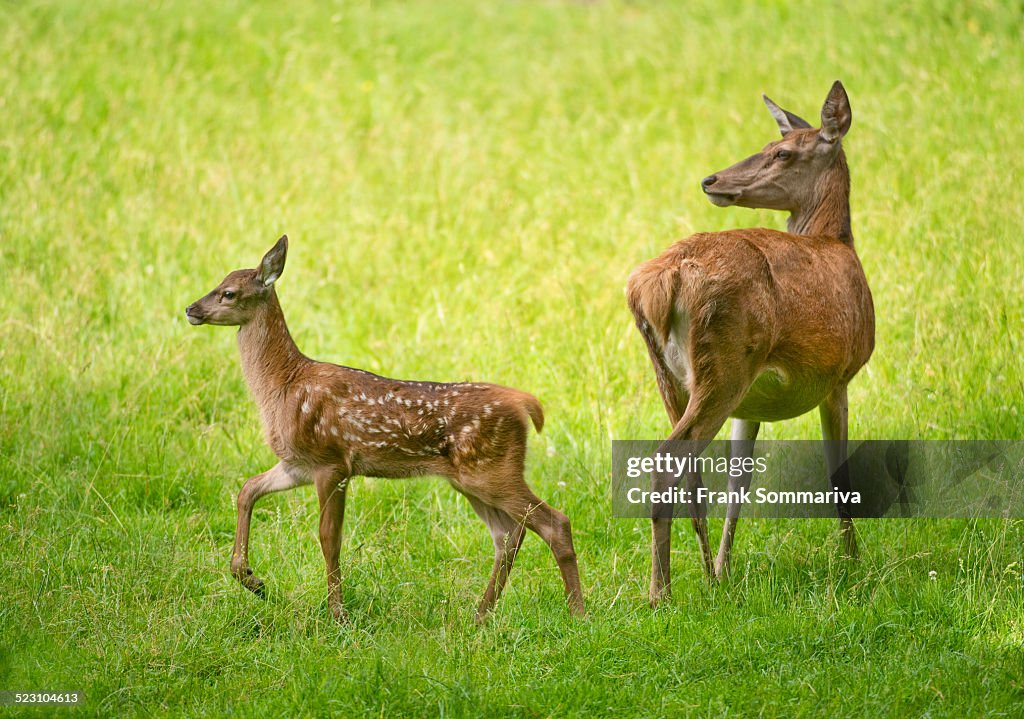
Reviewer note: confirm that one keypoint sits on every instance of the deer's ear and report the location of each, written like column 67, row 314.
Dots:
column 786, row 120
column 836, row 115
column 272, row 264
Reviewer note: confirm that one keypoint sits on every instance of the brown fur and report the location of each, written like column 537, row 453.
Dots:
column 327, row 423
column 756, row 324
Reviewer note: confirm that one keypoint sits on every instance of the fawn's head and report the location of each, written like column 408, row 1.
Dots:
column 785, row 174
column 242, row 293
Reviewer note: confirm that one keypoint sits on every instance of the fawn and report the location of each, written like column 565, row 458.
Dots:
column 327, row 423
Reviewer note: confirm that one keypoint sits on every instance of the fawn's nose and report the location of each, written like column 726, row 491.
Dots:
column 193, row 314
column 708, row 181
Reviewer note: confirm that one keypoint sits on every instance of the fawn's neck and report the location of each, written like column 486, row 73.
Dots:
column 270, row 358
column 827, row 211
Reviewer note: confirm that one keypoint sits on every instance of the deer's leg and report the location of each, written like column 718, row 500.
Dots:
column 834, row 413
column 661, row 522
column 661, row 540
column 676, row 397
column 507, row 535
column 276, row 479
column 716, row 391
column 330, row 488
column 744, row 432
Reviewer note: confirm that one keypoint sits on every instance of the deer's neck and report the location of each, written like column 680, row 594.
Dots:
column 826, row 212
column 270, row 358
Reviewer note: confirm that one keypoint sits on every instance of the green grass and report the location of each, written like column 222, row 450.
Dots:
column 466, row 187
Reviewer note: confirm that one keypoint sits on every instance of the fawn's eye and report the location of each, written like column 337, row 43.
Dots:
column 783, row 154
column 228, row 294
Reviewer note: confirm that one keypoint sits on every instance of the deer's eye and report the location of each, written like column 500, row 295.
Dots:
column 228, row 294
column 783, row 154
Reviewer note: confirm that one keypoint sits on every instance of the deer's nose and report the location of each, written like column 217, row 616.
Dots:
column 708, row 181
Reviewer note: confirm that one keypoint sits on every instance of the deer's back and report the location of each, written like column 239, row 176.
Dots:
column 808, row 295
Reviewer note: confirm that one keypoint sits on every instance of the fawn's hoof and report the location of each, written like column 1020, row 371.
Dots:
column 576, row 606
column 483, row 612
column 251, row 582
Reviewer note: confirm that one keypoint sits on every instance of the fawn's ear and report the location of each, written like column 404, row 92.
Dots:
column 785, row 119
column 836, row 115
column 272, row 264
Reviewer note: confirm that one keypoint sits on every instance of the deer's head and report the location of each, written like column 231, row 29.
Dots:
column 242, row 293
column 786, row 173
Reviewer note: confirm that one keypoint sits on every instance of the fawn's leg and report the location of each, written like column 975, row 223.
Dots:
column 331, row 485
column 276, row 479
column 507, row 535
column 553, row 527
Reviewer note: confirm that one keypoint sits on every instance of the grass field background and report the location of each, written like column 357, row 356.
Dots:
column 466, row 187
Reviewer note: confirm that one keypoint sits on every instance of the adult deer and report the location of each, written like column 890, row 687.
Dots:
column 328, row 423
column 760, row 325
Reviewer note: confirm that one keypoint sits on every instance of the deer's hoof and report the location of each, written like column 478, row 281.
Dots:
column 658, row 596
column 339, row 614
column 850, row 547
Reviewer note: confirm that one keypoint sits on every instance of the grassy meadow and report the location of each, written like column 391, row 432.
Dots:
column 466, row 187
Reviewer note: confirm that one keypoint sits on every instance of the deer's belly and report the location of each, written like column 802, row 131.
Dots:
column 775, row 396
